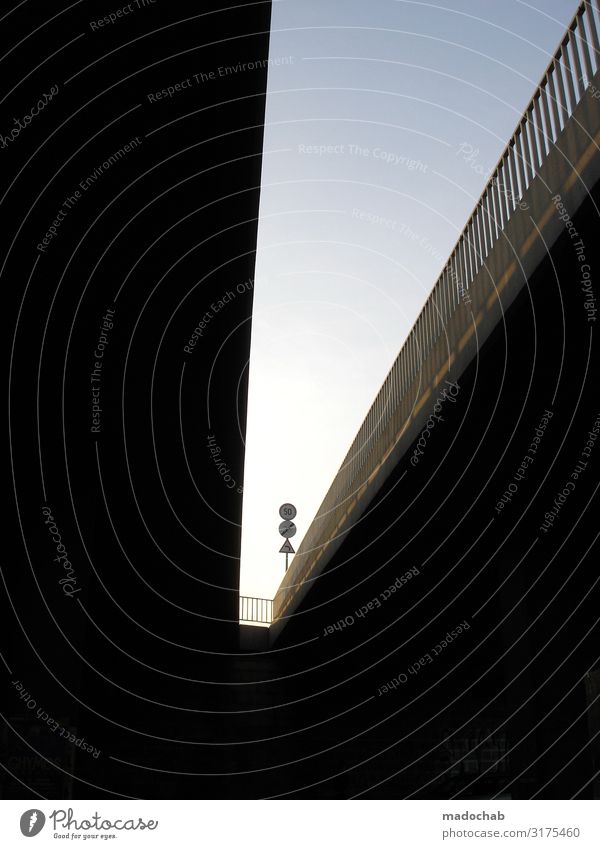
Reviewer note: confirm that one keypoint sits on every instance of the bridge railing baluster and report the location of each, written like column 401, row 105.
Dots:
column 583, row 47
column 562, row 94
column 480, row 247
column 477, row 245
column 493, row 199
column 469, row 254
column 519, row 166
column 577, row 69
column 527, row 151
column 547, row 132
column 487, row 224
column 553, row 93
column 568, row 73
column 538, row 132
column 593, row 33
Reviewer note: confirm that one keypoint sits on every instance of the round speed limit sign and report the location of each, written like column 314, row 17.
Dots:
column 287, row 511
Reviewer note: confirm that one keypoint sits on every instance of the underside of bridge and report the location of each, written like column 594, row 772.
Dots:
column 392, row 705
column 437, row 632
column 134, row 377
column 443, row 644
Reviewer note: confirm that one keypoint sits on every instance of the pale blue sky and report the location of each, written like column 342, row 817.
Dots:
column 351, row 240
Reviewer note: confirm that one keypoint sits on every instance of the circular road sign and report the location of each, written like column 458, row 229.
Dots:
column 287, row 529
column 287, row 511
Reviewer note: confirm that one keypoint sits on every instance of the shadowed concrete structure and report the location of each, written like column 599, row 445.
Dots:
column 439, row 620
column 546, row 171
column 153, row 269
column 435, row 633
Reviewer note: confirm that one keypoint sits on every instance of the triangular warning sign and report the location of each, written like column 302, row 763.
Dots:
column 286, row 548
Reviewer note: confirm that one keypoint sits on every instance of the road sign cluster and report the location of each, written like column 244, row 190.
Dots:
column 287, row 529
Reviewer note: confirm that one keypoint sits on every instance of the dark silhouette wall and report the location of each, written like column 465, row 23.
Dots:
column 135, row 200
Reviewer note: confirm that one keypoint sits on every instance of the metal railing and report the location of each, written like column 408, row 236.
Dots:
column 256, row 609
column 561, row 88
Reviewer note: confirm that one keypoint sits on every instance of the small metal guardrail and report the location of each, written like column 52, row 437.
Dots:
column 256, row 609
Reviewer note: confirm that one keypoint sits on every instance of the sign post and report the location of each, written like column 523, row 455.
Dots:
column 287, row 529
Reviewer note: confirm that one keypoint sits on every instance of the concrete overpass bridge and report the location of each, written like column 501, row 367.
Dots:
column 546, row 172
column 433, row 629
